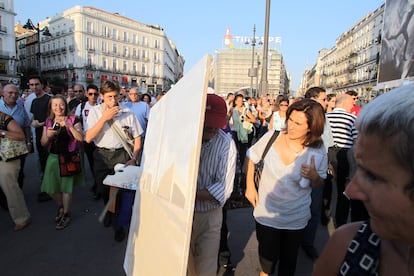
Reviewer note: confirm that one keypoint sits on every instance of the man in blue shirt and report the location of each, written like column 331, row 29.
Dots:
column 9, row 104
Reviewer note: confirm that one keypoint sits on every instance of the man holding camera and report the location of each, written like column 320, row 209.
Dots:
column 110, row 151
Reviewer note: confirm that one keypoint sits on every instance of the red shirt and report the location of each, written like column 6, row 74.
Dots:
column 355, row 110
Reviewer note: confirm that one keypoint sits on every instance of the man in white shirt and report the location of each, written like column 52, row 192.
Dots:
column 82, row 112
column 110, row 151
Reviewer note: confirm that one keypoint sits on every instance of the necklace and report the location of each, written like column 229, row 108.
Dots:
column 296, row 152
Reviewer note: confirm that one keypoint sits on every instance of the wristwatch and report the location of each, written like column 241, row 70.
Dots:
column 3, row 134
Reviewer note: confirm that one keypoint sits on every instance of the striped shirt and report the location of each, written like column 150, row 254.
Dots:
column 216, row 170
column 342, row 127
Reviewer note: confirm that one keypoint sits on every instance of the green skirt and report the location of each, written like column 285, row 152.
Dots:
column 54, row 183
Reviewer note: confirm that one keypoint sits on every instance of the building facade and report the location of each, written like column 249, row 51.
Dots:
column 238, row 65
column 89, row 45
column 8, row 73
column 352, row 64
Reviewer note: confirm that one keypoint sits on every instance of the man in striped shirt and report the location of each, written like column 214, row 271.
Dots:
column 214, row 186
column 344, row 134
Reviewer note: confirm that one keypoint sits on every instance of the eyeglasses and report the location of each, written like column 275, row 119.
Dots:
column 34, row 84
column 77, row 91
column 93, row 94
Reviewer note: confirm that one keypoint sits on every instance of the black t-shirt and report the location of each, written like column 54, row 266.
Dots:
column 39, row 110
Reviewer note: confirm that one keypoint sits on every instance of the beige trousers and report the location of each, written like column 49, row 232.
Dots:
column 205, row 243
column 9, row 172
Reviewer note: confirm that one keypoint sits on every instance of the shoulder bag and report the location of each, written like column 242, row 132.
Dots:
column 70, row 163
column 10, row 149
column 258, row 168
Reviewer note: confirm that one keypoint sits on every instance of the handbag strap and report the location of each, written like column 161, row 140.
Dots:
column 270, row 143
column 121, row 137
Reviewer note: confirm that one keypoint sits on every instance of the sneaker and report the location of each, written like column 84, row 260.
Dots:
column 23, row 225
column 64, row 222
column 224, row 258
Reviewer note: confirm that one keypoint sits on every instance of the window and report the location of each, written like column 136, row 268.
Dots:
column 104, row 46
column 104, row 63
column 124, row 66
column 89, row 27
column 134, row 52
column 125, row 36
column 114, row 64
column 156, row 44
column 143, row 68
column 134, row 66
column 114, row 34
column 114, row 48
column 105, row 31
column 89, row 60
column 89, row 43
column 135, row 39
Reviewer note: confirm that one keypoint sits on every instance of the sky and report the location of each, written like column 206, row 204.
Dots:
column 198, row 27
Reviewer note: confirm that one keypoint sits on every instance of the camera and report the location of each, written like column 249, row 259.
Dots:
column 56, row 126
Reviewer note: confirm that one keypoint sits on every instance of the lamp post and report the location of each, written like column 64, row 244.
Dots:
column 30, row 26
column 252, row 70
column 263, row 86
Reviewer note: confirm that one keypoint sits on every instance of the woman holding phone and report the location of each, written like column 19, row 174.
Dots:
column 61, row 134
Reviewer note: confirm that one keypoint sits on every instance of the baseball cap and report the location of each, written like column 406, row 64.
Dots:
column 216, row 112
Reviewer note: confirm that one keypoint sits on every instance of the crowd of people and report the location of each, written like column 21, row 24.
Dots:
column 318, row 143
column 67, row 127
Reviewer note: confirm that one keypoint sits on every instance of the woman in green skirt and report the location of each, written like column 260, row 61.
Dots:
column 62, row 135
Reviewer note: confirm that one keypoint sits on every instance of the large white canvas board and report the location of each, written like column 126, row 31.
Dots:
column 160, row 231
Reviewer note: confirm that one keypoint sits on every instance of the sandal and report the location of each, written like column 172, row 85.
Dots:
column 64, row 222
column 59, row 214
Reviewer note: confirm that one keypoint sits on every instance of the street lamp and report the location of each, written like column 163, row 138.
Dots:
column 263, row 86
column 253, row 71
column 30, row 26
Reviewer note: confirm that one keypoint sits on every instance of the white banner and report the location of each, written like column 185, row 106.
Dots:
column 160, row 231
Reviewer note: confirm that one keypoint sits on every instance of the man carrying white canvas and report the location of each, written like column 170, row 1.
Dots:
column 214, row 186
